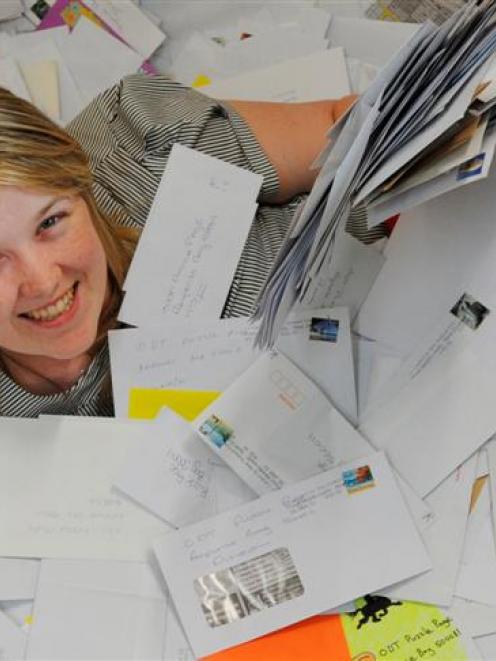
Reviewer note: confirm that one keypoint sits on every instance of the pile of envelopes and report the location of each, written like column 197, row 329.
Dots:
column 332, row 491
column 422, row 128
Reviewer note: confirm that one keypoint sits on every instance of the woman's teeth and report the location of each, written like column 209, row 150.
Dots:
column 53, row 311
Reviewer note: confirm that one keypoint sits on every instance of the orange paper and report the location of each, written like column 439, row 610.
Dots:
column 319, row 638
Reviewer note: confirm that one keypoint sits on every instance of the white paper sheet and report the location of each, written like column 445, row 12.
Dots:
column 191, row 244
column 97, row 610
column 58, row 485
column 239, row 550
column 317, row 76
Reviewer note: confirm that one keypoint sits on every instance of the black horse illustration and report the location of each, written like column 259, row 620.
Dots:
column 375, row 608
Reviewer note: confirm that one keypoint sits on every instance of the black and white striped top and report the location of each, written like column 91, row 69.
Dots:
column 128, row 132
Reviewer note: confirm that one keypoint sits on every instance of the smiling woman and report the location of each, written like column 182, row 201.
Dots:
column 72, row 203
column 53, row 282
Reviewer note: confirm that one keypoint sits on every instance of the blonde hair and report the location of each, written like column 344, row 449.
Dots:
column 37, row 154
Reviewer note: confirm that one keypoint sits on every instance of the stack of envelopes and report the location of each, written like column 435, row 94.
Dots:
column 432, row 98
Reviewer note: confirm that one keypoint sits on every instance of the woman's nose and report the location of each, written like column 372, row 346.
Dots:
column 38, row 278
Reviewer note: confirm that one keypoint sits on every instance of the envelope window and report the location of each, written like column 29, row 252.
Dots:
column 249, row 587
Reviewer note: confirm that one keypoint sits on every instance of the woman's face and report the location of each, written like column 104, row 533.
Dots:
column 53, row 274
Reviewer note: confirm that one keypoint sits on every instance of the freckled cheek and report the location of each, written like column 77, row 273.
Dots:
column 8, row 301
column 88, row 258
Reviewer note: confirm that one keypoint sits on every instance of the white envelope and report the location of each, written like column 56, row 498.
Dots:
column 252, row 570
column 273, row 426
column 317, row 76
column 18, row 578
column 434, row 252
column 191, row 244
column 477, row 577
column 374, row 42
column 12, row 640
column 491, row 460
column 210, row 356
column 474, row 619
column 177, row 477
column 486, row 646
column 326, row 360
column 132, row 24
column 444, row 540
column 57, row 484
column 84, row 50
column 261, row 50
column 425, row 428
column 349, row 276
column 11, row 78
column 97, row 610
column 30, row 47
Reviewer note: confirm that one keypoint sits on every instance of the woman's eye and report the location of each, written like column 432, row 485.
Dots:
column 49, row 222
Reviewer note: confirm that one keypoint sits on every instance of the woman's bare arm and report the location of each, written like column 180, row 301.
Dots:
column 292, row 135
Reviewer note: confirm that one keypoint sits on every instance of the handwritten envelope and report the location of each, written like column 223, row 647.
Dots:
column 274, row 426
column 58, row 483
column 177, row 477
column 196, row 230
column 252, row 570
column 191, row 362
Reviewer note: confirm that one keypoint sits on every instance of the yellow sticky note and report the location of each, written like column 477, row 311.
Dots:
column 201, row 80
column 145, row 403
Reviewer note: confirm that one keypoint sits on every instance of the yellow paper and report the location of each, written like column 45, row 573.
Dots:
column 394, row 630
column 201, row 80
column 42, row 81
column 145, row 403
